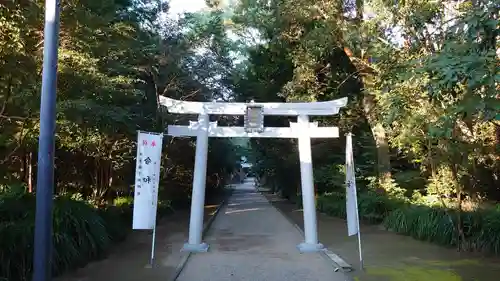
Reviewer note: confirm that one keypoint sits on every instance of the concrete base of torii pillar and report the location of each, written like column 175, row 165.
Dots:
column 195, row 248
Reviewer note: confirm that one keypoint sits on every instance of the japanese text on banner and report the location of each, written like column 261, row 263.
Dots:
column 149, row 147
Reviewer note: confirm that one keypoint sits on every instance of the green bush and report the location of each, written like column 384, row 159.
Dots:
column 423, row 223
column 488, row 238
column 427, row 223
column 164, row 207
column 332, row 204
column 118, row 221
column 123, row 201
column 372, row 207
column 81, row 233
column 16, row 235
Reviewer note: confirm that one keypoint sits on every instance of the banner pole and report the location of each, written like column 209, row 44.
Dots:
column 359, row 233
column 153, row 243
column 351, row 183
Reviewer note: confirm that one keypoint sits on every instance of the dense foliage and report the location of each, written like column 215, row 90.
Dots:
column 115, row 58
column 422, row 78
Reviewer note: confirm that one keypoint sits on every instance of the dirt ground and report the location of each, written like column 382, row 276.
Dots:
column 129, row 261
column 392, row 257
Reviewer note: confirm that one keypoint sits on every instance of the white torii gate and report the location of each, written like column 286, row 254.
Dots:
column 302, row 129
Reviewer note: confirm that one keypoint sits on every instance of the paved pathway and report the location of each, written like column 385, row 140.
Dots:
column 251, row 240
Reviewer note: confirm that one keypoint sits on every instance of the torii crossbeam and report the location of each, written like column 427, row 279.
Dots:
column 303, row 130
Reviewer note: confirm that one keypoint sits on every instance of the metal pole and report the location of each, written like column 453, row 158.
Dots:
column 361, row 263
column 45, row 175
column 153, row 244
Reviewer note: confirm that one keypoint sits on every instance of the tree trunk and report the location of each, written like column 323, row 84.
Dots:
column 29, row 172
column 497, row 132
column 23, row 170
column 369, row 106
column 380, row 138
column 459, row 189
column 102, row 178
column 431, row 161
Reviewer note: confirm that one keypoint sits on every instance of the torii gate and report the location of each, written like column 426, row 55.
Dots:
column 254, row 128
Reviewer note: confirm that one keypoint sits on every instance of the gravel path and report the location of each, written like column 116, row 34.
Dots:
column 251, row 240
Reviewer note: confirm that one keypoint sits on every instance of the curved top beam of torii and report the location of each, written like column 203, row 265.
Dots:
column 235, row 108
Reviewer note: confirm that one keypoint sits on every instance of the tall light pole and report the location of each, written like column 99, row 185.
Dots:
column 45, row 175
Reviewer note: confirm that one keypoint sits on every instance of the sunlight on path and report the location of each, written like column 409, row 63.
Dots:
column 434, row 270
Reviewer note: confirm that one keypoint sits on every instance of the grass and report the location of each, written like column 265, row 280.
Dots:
column 413, row 273
column 481, row 228
column 81, row 233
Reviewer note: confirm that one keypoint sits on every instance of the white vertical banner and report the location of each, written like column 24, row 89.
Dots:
column 147, row 175
column 351, row 196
